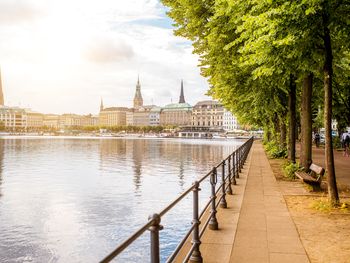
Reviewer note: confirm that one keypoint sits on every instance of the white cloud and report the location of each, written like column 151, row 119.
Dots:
column 74, row 52
column 20, row 11
column 108, row 50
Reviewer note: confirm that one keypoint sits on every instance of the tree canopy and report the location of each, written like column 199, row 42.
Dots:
column 255, row 52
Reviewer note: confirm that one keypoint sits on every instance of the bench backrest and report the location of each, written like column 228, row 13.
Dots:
column 317, row 169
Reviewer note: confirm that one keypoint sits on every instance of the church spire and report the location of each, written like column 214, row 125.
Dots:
column 182, row 97
column 1, row 94
column 138, row 101
column 101, row 105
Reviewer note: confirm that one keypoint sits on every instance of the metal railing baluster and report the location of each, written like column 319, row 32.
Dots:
column 233, row 169
column 196, row 254
column 213, row 223
column 229, row 189
column 154, row 230
column 223, row 203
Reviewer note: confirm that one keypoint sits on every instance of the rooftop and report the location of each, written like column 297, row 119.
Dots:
column 116, row 109
column 207, row 103
column 177, row 106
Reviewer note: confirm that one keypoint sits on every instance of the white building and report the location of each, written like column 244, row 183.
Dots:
column 208, row 113
column 13, row 117
column 154, row 116
column 17, row 118
column 230, row 122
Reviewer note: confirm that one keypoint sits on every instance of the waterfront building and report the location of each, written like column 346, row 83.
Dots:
column 1, row 93
column 74, row 120
column 178, row 114
column 13, row 117
column 93, row 120
column 154, row 116
column 34, row 119
column 142, row 115
column 113, row 116
column 51, row 121
column 208, row 113
column 138, row 101
column 182, row 96
column 129, row 118
column 68, row 120
column 230, row 122
column 148, row 115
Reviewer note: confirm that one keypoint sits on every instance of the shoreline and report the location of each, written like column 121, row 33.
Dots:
column 5, row 135
column 128, row 136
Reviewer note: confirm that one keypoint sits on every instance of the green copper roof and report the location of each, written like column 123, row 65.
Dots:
column 178, row 106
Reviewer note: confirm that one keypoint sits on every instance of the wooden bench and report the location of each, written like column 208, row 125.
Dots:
column 314, row 177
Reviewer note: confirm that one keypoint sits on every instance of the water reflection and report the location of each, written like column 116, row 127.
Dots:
column 2, row 150
column 74, row 200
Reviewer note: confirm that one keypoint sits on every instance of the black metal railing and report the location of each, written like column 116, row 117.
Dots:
column 230, row 169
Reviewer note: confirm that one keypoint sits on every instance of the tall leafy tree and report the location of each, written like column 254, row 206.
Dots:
column 250, row 49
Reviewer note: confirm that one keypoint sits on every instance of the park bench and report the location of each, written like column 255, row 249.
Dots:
column 314, row 177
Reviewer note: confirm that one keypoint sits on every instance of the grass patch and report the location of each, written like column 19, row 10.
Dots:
column 325, row 206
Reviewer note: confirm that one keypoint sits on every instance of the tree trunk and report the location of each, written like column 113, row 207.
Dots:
column 276, row 129
column 306, row 123
column 328, row 75
column 283, row 134
column 292, row 119
column 268, row 135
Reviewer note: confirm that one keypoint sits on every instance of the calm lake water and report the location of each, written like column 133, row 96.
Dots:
column 75, row 200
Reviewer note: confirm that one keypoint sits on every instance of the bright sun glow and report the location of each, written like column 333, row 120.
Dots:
column 64, row 55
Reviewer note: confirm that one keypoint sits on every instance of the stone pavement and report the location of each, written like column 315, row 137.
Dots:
column 256, row 226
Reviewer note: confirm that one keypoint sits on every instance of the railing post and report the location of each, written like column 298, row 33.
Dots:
column 237, row 164
column 233, row 169
column 213, row 223
column 154, row 229
column 223, row 203
column 229, row 190
column 240, row 160
column 196, row 254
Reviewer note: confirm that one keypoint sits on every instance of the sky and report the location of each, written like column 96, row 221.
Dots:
column 63, row 56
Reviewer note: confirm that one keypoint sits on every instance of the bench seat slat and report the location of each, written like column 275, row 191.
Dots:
column 306, row 177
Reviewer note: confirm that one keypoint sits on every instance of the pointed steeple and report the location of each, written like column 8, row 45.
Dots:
column 182, row 97
column 101, row 105
column 138, row 101
column 1, row 94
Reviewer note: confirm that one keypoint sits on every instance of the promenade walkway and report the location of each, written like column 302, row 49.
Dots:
column 256, row 226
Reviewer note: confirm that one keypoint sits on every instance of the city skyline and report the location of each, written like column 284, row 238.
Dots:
column 57, row 65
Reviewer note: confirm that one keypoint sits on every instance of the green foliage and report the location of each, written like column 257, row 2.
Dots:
column 274, row 150
column 318, row 120
column 289, row 170
column 336, row 142
column 250, row 49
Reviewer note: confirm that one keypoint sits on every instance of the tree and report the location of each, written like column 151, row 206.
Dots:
column 249, row 49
